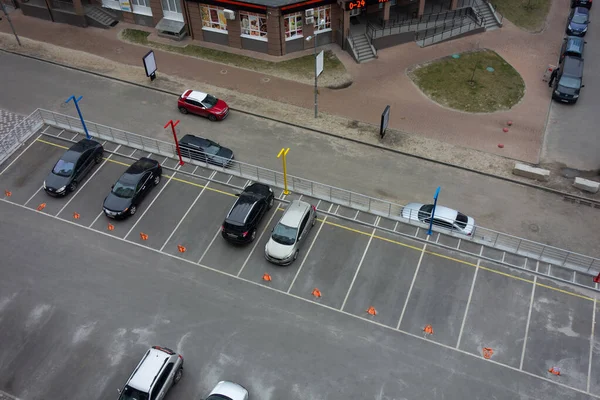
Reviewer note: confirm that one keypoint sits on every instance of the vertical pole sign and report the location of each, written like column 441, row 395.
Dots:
column 435, row 197
column 173, row 125
column 385, row 120
column 150, row 65
column 76, row 100
column 318, row 71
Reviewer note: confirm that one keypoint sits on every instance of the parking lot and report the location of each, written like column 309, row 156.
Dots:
column 530, row 324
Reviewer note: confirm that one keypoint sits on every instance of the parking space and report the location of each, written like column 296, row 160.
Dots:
column 530, row 323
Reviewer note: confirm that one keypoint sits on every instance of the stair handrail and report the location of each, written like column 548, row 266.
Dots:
column 499, row 17
column 354, row 49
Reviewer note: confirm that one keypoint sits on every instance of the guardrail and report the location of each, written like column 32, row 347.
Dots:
column 19, row 134
column 353, row 46
column 508, row 243
column 452, row 28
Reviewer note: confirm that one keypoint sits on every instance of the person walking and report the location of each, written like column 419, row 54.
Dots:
column 553, row 76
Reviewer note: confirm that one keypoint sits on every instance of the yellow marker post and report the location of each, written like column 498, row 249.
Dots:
column 283, row 153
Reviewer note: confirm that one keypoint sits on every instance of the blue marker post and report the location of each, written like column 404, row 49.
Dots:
column 435, row 197
column 76, row 101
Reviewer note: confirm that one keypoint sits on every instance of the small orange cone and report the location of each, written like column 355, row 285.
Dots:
column 267, row 277
column 316, row 292
column 372, row 311
column 41, row 206
column 428, row 329
column 75, row 215
column 180, row 248
column 554, row 370
column 7, row 193
column 143, row 236
column 111, row 227
column 487, row 353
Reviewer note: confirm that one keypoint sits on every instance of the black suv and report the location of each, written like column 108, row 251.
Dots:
column 568, row 82
column 242, row 220
column 581, row 3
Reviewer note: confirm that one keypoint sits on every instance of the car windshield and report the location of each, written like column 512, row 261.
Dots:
column 217, row 397
column 425, row 212
column 579, row 19
column 461, row 220
column 124, row 189
column 130, row 393
column 209, row 101
column 284, row 234
column 63, row 168
column 569, row 82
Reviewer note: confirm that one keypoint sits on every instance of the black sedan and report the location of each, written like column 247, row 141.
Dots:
column 131, row 188
column 72, row 167
column 205, row 150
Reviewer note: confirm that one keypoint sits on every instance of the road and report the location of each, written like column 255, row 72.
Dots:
column 78, row 309
column 572, row 132
column 495, row 204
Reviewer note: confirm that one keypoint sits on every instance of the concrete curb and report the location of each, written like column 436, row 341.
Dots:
column 376, row 146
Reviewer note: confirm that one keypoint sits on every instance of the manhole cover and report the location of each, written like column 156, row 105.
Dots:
column 490, row 69
column 455, row 56
column 534, row 228
column 223, row 71
column 266, row 80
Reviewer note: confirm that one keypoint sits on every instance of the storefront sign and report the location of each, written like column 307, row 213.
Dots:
column 353, row 4
column 125, row 5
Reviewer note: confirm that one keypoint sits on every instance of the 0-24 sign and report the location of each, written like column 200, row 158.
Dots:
column 356, row 4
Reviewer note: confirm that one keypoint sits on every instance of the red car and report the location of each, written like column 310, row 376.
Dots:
column 206, row 105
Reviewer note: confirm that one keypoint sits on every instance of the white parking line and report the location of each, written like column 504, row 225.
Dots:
column 20, row 154
column 149, row 155
column 356, row 216
column 310, row 248
column 60, row 133
column 589, row 377
column 257, row 241
column 96, row 219
column 412, row 284
column 395, row 226
column 33, row 195
column 77, row 134
column 164, row 161
column 462, row 325
column 86, row 182
column 187, row 212
column 153, row 200
column 360, row 263
column 317, row 206
column 528, row 321
column 194, row 171
column 133, row 152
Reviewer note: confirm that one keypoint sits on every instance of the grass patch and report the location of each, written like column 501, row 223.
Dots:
column 448, row 82
column 527, row 14
column 301, row 68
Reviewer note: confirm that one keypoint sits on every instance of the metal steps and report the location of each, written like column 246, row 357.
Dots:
column 487, row 14
column 100, row 18
column 362, row 49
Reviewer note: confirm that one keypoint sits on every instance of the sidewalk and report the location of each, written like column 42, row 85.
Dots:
column 376, row 84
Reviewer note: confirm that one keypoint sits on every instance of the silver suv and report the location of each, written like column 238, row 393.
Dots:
column 290, row 232
column 159, row 369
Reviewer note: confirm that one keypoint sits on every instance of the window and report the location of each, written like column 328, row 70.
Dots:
column 304, row 223
column 213, row 18
column 254, row 25
column 323, row 16
column 293, row 25
column 141, row 3
column 171, row 5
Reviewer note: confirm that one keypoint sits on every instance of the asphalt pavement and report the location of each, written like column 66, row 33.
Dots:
column 495, row 204
column 572, row 130
column 83, row 296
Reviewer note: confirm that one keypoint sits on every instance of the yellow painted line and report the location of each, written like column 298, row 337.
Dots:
column 376, row 237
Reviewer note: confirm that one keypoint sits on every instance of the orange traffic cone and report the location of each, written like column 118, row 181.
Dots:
column 487, row 353
column 316, row 292
column 143, row 236
column 267, row 277
column 428, row 329
column 7, row 193
column 111, row 227
column 75, row 215
column 41, row 206
column 554, row 370
column 372, row 311
column 181, row 248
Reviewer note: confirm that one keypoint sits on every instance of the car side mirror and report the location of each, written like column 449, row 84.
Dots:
column 112, row 186
column 582, row 86
column 119, row 390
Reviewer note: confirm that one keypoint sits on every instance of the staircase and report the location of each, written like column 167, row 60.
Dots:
column 100, row 17
column 361, row 48
column 488, row 14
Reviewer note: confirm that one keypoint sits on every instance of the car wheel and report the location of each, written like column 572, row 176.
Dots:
column 178, row 375
column 253, row 235
column 73, row 186
column 183, row 110
column 132, row 210
column 271, row 202
column 296, row 254
column 156, row 180
column 98, row 158
column 212, row 117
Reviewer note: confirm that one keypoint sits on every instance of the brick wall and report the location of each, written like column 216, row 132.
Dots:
column 195, row 20
column 274, row 26
column 308, row 30
column 157, row 12
column 234, row 29
column 128, row 17
column 336, row 14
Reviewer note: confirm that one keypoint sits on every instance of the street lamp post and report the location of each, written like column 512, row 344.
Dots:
column 76, row 101
column 322, row 22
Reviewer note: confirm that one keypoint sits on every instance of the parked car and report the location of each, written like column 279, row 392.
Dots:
column 245, row 215
column 159, row 370
column 203, row 104
column 131, row 188
column 581, row 3
column 577, row 24
column 73, row 167
column 290, row 233
column 569, row 80
column 205, row 150
column 444, row 217
column 228, row 391
column 572, row 46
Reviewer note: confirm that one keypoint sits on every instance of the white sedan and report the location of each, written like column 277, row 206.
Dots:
column 228, row 391
column 444, row 217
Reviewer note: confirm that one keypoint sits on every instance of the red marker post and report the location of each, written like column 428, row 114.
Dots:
column 173, row 125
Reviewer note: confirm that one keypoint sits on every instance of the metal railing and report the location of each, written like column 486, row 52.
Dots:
column 487, row 237
column 353, row 45
column 19, row 134
column 450, row 29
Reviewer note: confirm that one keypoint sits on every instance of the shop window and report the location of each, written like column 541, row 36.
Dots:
column 293, row 26
column 141, row 7
column 254, row 26
column 213, row 18
column 323, row 15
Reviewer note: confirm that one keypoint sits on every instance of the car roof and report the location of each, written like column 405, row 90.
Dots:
column 581, row 10
column 573, row 66
column 293, row 214
column 241, row 209
column 151, row 365
column 445, row 213
column 574, row 43
column 141, row 165
column 83, row 145
column 196, row 140
column 194, row 95
column 257, row 187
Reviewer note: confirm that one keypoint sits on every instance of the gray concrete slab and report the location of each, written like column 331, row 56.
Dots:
column 497, row 316
column 470, row 246
column 448, row 240
column 347, row 212
column 408, row 229
column 559, row 334
column 26, row 175
column 562, row 273
column 439, row 297
column 166, row 212
column 384, row 278
column 386, row 223
column 332, row 261
column 366, row 218
column 321, row 205
column 202, row 223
